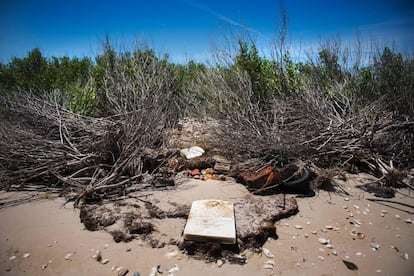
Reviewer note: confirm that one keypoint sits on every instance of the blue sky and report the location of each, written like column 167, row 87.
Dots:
column 188, row 29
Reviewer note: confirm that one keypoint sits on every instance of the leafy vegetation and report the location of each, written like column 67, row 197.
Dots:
column 87, row 85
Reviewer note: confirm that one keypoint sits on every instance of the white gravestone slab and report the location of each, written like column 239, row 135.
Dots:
column 211, row 220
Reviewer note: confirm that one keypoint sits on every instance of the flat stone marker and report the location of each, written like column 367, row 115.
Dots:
column 211, row 221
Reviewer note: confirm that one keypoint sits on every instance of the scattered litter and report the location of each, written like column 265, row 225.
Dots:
column 267, row 253
column 192, row 152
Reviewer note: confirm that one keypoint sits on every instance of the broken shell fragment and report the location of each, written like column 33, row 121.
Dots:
column 68, row 256
column 267, row 253
column 219, row 263
column 123, row 272
column 323, row 241
column 175, row 268
column 359, row 235
column 12, row 258
column 26, row 255
column 375, row 246
column 298, row 226
column 269, row 265
column 43, row 266
column 408, row 220
column 105, row 261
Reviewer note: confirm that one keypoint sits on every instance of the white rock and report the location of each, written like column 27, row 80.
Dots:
column 408, row 220
column 321, row 258
column 26, row 255
column 105, row 261
column 12, row 258
column 43, row 266
column 298, row 226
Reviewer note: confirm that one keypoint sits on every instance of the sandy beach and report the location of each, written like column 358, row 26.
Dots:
column 332, row 234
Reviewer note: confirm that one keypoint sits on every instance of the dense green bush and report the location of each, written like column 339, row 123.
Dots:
column 93, row 87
